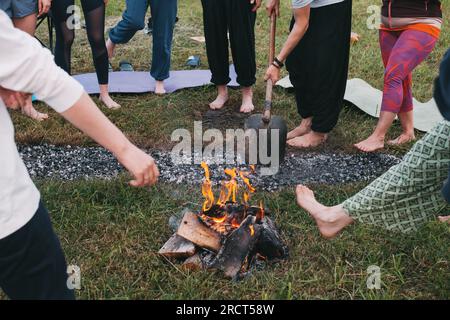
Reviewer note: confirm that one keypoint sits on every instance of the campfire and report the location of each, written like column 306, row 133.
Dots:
column 228, row 234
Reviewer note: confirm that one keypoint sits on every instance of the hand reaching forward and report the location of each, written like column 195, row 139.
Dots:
column 140, row 165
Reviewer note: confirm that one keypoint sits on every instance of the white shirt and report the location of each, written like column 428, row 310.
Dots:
column 298, row 4
column 27, row 67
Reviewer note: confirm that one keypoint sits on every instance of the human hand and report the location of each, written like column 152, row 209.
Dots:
column 13, row 99
column 273, row 6
column 140, row 165
column 44, row 6
column 256, row 4
column 272, row 73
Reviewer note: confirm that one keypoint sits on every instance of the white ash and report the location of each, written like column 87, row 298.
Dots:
column 74, row 162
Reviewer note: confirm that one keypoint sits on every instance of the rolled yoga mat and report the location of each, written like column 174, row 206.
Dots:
column 141, row 81
column 368, row 99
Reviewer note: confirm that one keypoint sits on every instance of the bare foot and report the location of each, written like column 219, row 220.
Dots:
column 109, row 102
column 111, row 48
column 247, row 100
column 309, row 140
column 31, row 112
column 371, row 144
column 159, row 88
column 402, row 139
column 222, row 98
column 330, row 220
column 302, row 129
column 444, row 219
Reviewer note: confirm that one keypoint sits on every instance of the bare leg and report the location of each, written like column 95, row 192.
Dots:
column 111, row 48
column 407, row 121
column 222, row 98
column 302, row 129
column 376, row 140
column 309, row 140
column 247, row 100
column 330, row 220
column 444, row 219
column 159, row 88
column 31, row 112
column 106, row 98
column 28, row 25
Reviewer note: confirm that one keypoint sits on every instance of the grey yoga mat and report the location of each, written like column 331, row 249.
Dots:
column 368, row 99
column 141, row 81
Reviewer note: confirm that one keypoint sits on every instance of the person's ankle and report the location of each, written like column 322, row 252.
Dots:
column 222, row 91
column 378, row 136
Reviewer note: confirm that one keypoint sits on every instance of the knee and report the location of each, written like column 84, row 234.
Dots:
column 68, row 41
column 134, row 23
column 97, row 40
column 393, row 79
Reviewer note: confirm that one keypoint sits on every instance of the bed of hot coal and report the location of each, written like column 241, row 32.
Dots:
column 71, row 163
column 234, row 239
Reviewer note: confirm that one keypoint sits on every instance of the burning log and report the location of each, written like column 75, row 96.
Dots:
column 192, row 229
column 270, row 244
column 237, row 247
column 177, row 247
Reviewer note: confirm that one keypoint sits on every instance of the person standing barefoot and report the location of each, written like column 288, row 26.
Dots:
column 316, row 53
column 409, row 32
column 24, row 15
column 164, row 14
column 406, row 196
column 236, row 17
column 94, row 14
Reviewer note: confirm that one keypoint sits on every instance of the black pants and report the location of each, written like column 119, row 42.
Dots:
column 318, row 66
column 237, row 18
column 94, row 14
column 32, row 264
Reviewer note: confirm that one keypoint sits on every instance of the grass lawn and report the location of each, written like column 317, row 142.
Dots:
column 113, row 232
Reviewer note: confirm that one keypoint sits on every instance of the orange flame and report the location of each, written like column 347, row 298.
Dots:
column 261, row 213
column 246, row 195
column 207, row 189
column 229, row 188
column 235, row 224
column 221, row 219
column 252, row 230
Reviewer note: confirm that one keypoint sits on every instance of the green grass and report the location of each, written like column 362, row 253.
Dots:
column 149, row 120
column 113, row 231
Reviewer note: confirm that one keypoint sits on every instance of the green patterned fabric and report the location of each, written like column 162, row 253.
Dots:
column 409, row 193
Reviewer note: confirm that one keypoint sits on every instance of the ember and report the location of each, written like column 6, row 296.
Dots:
column 227, row 235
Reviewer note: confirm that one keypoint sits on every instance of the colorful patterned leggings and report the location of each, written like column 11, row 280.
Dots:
column 402, row 52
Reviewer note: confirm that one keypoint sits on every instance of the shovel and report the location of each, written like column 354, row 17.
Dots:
column 267, row 121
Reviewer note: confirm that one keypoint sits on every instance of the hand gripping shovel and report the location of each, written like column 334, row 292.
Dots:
column 271, row 130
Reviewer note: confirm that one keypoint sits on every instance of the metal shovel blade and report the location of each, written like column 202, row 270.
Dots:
column 276, row 128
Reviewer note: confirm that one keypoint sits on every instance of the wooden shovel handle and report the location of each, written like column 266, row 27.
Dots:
column 269, row 85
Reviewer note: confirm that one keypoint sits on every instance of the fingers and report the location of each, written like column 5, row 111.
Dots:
column 257, row 5
column 148, row 177
column 12, row 103
column 40, row 7
column 46, row 8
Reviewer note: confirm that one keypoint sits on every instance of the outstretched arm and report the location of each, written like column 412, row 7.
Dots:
column 26, row 67
column 301, row 24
